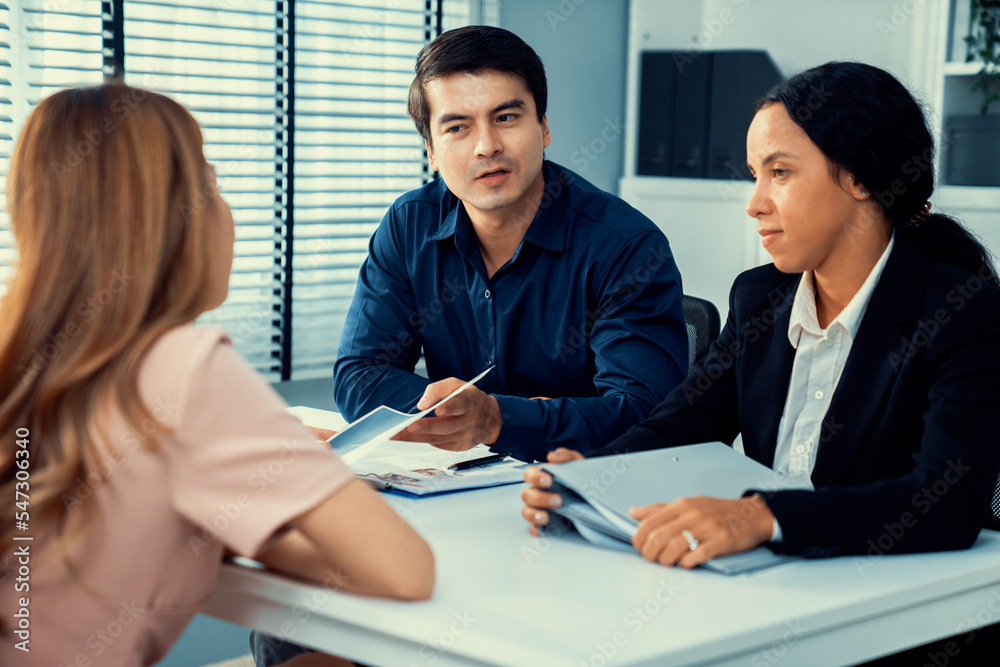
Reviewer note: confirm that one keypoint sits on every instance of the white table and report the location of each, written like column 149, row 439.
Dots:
column 504, row 597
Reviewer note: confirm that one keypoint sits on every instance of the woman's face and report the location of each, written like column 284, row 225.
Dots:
column 807, row 210
column 222, row 236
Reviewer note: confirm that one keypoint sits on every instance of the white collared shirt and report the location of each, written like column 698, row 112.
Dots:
column 820, row 357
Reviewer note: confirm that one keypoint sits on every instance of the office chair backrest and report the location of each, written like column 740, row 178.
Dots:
column 702, row 320
column 993, row 519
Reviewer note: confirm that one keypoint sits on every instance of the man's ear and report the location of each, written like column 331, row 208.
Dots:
column 546, row 136
column 430, row 155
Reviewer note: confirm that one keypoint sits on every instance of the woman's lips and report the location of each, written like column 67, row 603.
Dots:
column 768, row 236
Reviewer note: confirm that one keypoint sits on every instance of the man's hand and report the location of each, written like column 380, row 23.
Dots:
column 536, row 500
column 715, row 527
column 463, row 422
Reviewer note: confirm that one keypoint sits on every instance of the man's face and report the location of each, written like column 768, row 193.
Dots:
column 487, row 141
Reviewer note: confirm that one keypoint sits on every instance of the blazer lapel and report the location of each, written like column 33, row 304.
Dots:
column 768, row 372
column 873, row 362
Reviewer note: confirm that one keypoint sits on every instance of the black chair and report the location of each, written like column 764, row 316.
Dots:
column 993, row 519
column 702, row 320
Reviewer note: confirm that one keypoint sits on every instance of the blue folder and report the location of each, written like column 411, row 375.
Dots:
column 597, row 493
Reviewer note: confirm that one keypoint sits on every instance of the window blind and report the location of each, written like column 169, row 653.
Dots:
column 356, row 149
column 218, row 59
column 303, row 109
column 43, row 47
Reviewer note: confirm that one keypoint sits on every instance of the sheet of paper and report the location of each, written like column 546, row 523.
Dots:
column 375, row 428
column 417, row 455
column 319, row 418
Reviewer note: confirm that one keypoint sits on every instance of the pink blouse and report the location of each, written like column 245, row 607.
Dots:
column 235, row 469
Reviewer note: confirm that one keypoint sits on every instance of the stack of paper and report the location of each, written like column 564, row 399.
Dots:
column 414, row 467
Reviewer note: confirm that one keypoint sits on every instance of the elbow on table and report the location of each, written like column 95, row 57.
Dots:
column 414, row 581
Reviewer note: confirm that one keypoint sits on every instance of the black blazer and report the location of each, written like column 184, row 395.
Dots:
column 910, row 447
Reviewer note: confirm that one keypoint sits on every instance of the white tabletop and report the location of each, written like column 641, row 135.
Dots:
column 504, row 597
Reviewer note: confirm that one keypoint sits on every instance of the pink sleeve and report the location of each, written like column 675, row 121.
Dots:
column 239, row 466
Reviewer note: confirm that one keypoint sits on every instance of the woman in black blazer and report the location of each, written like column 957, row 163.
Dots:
column 865, row 360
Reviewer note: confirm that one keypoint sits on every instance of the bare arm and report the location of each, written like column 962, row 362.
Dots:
column 356, row 542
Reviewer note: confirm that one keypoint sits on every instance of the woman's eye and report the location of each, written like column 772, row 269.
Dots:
column 778, row 173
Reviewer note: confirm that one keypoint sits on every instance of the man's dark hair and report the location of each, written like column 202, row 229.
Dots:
column 472, row 49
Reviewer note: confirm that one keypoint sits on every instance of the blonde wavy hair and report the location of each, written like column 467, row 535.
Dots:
column 107, row 194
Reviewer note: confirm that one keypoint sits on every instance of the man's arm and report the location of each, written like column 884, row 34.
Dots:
column 639, row 343
column 380, row 343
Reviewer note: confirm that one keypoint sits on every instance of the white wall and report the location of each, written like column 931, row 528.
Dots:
column 798, row 34
column 583, row 44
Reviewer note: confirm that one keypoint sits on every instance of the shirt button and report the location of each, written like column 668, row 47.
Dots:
column 487, row 294
column 489, row 361
column 818, row 395
column 800, row 448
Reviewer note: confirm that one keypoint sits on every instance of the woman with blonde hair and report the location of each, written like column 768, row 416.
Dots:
column 137, row 447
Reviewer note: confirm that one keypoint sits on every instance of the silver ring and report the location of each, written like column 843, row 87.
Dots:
column 692, row 541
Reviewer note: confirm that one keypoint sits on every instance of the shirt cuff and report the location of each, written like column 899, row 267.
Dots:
column 776, row 535
column 520, row 428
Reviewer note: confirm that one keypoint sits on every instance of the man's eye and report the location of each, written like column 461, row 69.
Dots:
column 505, row 117
column 454, row 129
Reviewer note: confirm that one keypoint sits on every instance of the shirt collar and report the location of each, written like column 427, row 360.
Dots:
column 804, row 318
column 547, row 229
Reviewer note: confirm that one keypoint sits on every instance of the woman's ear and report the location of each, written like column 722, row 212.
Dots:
column 857, row 189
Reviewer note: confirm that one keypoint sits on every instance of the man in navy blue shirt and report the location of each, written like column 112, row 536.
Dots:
column 509, row 261
column 513, row 261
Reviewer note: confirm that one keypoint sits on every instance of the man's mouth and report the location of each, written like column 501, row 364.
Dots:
column 497, row 172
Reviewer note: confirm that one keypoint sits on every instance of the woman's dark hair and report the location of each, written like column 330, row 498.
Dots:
column 864, row 120
column 471, row 49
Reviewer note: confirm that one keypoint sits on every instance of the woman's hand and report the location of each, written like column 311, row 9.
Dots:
column 323, row 434
column 537, row 500
column 690, row 531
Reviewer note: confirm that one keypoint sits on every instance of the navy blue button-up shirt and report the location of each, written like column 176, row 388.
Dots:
column 587, row 312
